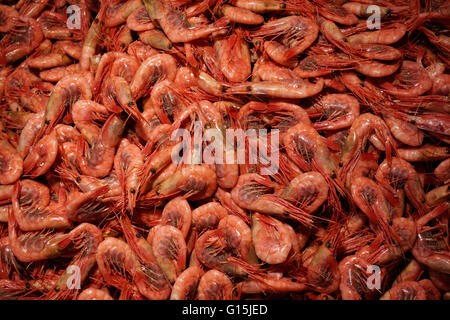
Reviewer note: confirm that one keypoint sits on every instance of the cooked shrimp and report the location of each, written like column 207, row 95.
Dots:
column 208, row 216
column 431, row 247
column 442, row 171
column 411, row 272
column 272, row 283
column 213, row 251
column 117, row 12
column 369, row 197
column 234, row 57
column 428, row 121
column 412, row 80
column 270, row 238
column 298, row 33
column 404, row 235
column 128, row 165
column 255, row 192
column 215, row 285
column 167, row 101
column 335, row 111
column 116, row 262
column 150, row 71
column 322, row 64
column 34, row 246
column 83, row 207
column 116, row 96
column 54, row 26
column 94, row 294
column 11, row 163
column 97, row 160
column 195, row 181
column 278, row 115
column 377, row 69
column 139, row 20
column 403, row 131
column 353, row 283
column 293, row 89
column 399, row 174
column 86, row 238
column 362, row 9
column 175, row 24
column 66, row 92
column 362, row 128
column 177, row 213
column 170, row 251
column 237, row 234
column 308, row 190
column 426, row 152
column 363, row 90
column 23, row 37
column 336, row 13
column 156, row 39
column 185, row 286
column 7, row 15
column 323, row 273
column 387, row 35
column 407, row 290
column 41, row 156
column 57, row 73
column 437, row 195
column 31, row 209
column 240, row 15
column 309, row 151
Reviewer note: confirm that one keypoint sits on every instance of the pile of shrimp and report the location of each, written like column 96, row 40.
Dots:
column 93, row 205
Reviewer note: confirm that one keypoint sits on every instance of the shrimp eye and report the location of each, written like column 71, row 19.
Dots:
column 333, row 176
column 283, row 6
column 319, row 242
column 130, row 104
column 153, row 170
column 78, row 179
column 47, row 122
column 132, row 191
column 328, row 244
column 138, row 235
column 122, row 45
column 413, row 121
